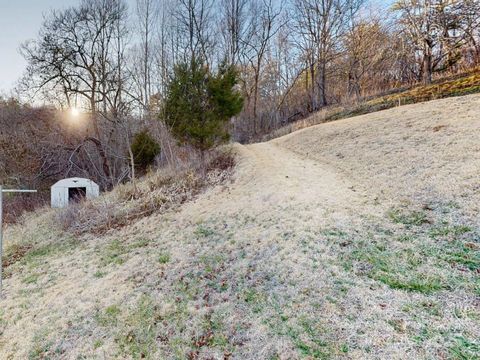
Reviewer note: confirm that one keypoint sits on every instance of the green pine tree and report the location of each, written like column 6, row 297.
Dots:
column 199, row 104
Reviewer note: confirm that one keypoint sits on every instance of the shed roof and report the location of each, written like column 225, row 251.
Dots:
column 73, row 182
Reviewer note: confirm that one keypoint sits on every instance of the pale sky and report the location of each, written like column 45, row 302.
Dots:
column 20, row 20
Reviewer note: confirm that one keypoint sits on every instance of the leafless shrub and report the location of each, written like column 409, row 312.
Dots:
column 16, row 206
column 222, row 161
column 158, row 192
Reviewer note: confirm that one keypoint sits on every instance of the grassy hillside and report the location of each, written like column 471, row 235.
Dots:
column 458, row 85
column 356, row 239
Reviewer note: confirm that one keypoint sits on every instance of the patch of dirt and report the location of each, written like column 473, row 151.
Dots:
column 438, row 128
column 16, row 253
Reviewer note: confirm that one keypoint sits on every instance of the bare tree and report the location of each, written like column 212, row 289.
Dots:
column 147, row 12
column 80, row 51
column 262, row 29
column 320, row 25
column 234, row 28
column 435, row 28
column 195, row 27
column 368, row 54
column 469, row 24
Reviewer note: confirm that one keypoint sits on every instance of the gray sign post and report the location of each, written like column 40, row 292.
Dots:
column 2, row 191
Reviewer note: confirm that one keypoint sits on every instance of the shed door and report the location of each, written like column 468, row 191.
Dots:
column 76, row 194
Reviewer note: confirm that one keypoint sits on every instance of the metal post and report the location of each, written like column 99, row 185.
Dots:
column 1, row 228
column 1, row 238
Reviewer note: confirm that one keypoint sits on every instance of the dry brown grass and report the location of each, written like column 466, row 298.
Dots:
column 356, row 239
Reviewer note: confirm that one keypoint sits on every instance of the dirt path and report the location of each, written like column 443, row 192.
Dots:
column 271, row 174
column 280, row 170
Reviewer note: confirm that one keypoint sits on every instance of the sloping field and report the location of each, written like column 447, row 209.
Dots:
column 418, row 154
column 356, row 239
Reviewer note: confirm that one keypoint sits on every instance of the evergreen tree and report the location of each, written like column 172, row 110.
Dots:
column 144, row 149
column 199, row 104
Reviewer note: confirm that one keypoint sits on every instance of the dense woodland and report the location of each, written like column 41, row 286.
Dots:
column 243, row 67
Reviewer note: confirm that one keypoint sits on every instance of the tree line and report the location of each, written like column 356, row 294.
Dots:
column 191, row 73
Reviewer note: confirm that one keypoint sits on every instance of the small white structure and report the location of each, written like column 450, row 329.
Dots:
column 73, row 190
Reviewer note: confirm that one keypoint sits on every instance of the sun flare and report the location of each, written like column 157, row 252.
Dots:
column 75, row 112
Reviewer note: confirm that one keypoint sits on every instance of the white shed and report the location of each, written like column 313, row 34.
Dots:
column 71, row 190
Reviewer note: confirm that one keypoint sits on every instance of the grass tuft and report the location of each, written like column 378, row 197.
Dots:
column 408, row 218
column 109, row 316
column 138, row 332
column 164, row 258
column 464, row 349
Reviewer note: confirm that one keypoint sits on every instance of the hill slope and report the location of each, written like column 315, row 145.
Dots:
column 353, row 239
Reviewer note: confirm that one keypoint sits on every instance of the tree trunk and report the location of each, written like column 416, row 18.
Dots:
column 427, row 65
column 96, row 140
column 322, row 84
column 313, row 94
column 103, row 156
column 255, row 101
